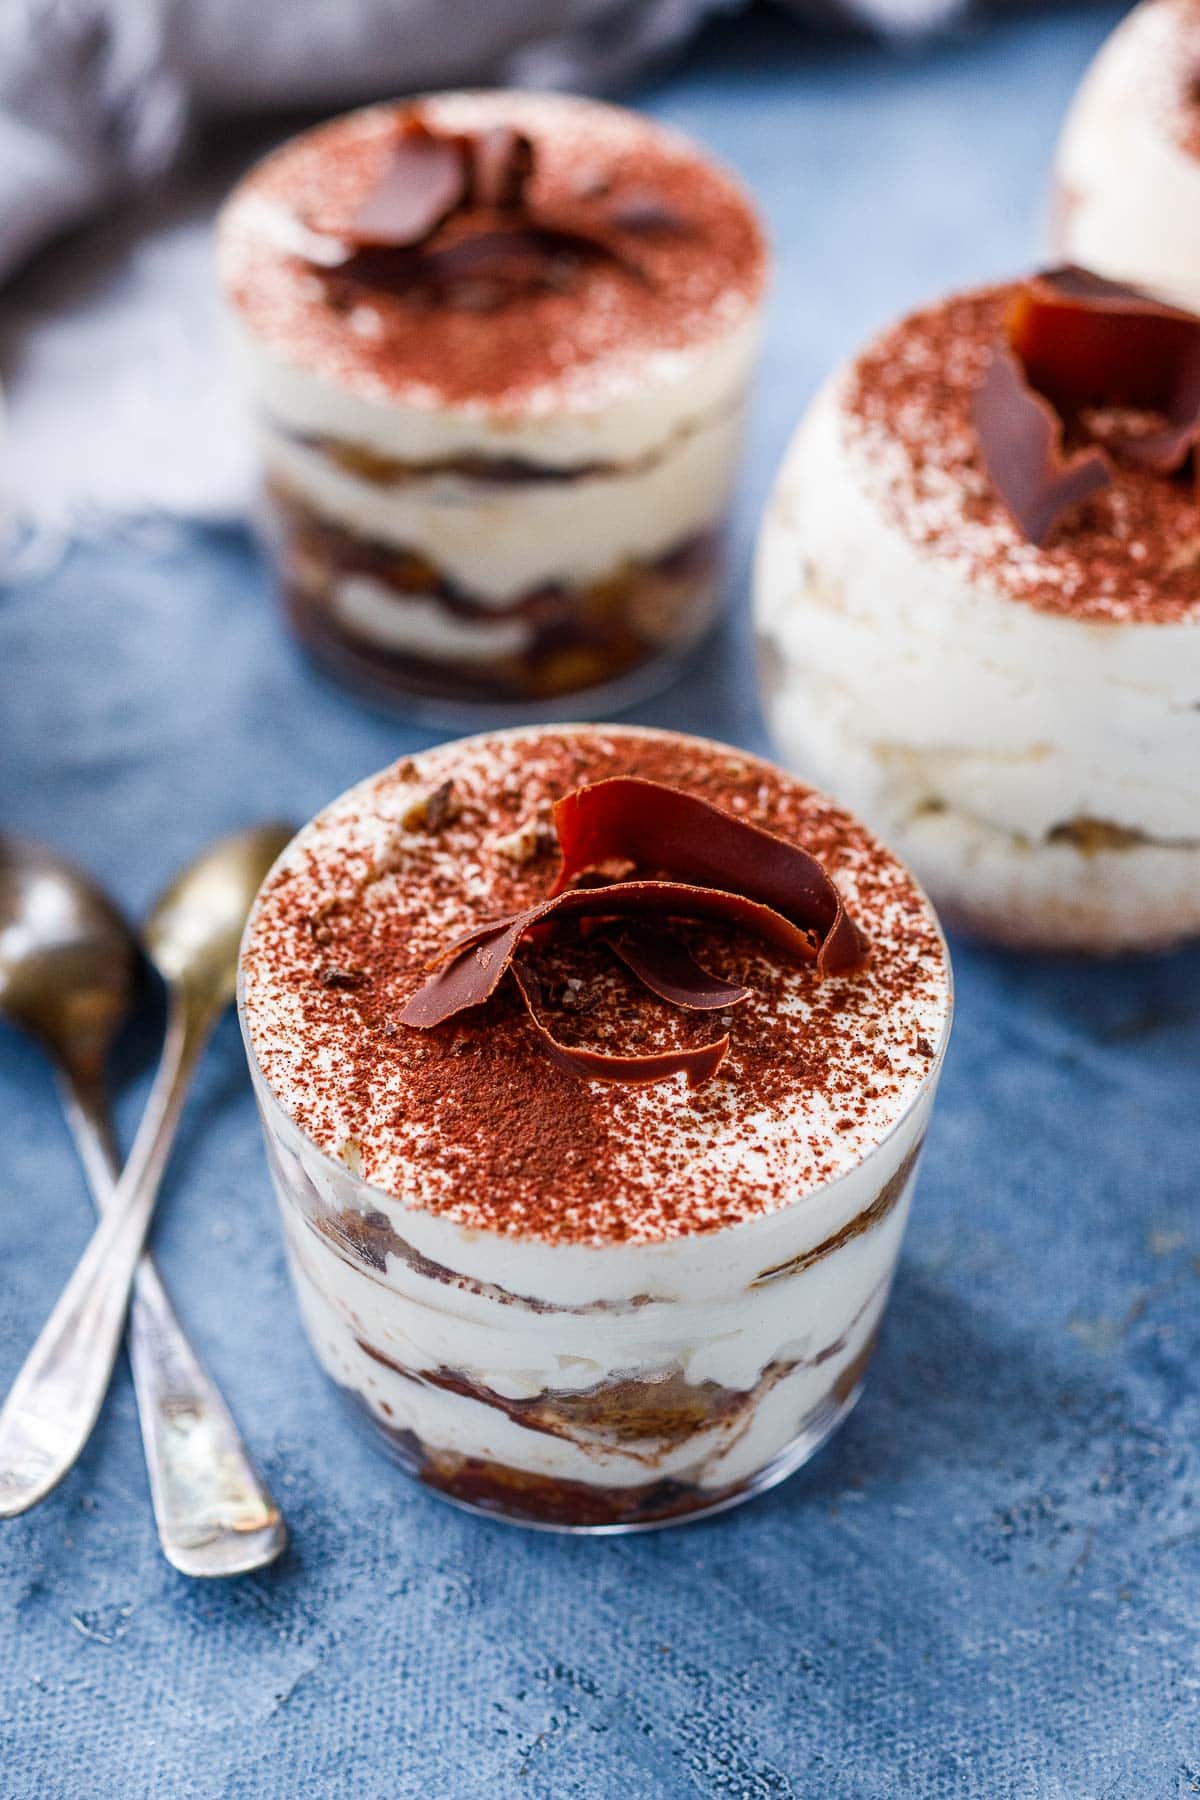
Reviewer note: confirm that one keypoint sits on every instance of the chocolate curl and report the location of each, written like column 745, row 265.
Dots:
column 668, row 969
column 657, row 827
column 1168, row 450
column 773, row 889
column 474, row 965
column 1085, row 341
column 1021, row 437
column 425, row 181
column 1074, row 340
column 430, row 175
column 699, row 1063
column 501, row 164
column 434, row 177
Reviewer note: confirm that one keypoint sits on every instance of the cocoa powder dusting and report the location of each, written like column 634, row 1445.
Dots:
column 696, row 268
column 1128, row 554
column 470, row 1120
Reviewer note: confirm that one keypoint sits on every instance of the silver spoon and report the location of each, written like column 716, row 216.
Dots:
column 70, row 944
column 66, row 967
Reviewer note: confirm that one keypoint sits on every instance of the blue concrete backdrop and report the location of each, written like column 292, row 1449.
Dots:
column 987, row 1585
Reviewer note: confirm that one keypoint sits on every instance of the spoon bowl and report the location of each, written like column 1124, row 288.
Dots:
column 194, row 932
column 67, row 957
column 66, row 970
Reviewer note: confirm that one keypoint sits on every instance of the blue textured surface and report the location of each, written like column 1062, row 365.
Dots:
column 987, row 1585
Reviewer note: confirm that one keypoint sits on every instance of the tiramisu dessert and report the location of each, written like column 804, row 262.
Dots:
column 978, row 604
column 594, row 1067
column 498, row 347
column 1127, row 175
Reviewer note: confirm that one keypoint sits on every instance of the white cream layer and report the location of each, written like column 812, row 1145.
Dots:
column 673, row 389
column 521, row 1314
column 903, row 683
column 409, row 625
column 499, row 540
column 687, row 1305
column 1128, row 201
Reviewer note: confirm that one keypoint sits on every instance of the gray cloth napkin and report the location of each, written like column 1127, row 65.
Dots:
column 118, row 408
column 97, row 96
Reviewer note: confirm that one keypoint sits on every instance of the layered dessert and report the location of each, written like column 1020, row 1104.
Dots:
column 594, row 1066
column 1127, row 173
column 497, row 347
column 978, row 607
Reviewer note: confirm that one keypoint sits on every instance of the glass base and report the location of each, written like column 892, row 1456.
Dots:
column 404, row 1450
column 437, row 712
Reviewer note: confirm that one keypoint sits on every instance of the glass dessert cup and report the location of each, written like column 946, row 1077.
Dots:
column 595, row 1232
column 498, row 454
column 382, row 622
column 592, row 1389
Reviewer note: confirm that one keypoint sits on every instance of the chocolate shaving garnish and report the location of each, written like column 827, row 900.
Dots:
column 425, row 181
column 1021, row 437
column 652, row 826
column 1072, row 341
column 699, row 1062
column 475, row 184
column 474, row 964
column 521, row 261
column 669, row 969
column 771, row 888
column 501, row 163
column 1086, row 341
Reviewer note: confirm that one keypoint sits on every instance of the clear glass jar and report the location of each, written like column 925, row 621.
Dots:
column 598, row 1389
column 498, row 460
column 383, row 621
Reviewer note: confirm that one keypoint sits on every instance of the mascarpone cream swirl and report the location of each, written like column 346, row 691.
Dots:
column 587, row 1283
column 1022, row 724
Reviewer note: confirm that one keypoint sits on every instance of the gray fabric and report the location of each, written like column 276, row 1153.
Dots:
column 96, row 95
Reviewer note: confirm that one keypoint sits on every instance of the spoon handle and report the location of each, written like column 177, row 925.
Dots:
column 52, row 1406
column 214, row 1513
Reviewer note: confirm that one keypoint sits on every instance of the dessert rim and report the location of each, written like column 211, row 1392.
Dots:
column 657, row 1247
column 730, row 325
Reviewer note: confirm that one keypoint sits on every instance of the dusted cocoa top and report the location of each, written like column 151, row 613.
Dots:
column 680, row 259
column 1129, row 553
column 471, row 1120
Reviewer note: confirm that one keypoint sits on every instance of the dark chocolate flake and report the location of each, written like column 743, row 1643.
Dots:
column 698, row 1062
column 474, row 965
column 650, row 826
column 425, row 181
column 732, row 872
column 450, row 222
column 1072, row 341
column 501, row 164
column 668, row 969
column 1021, row 437
column 646, row 213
